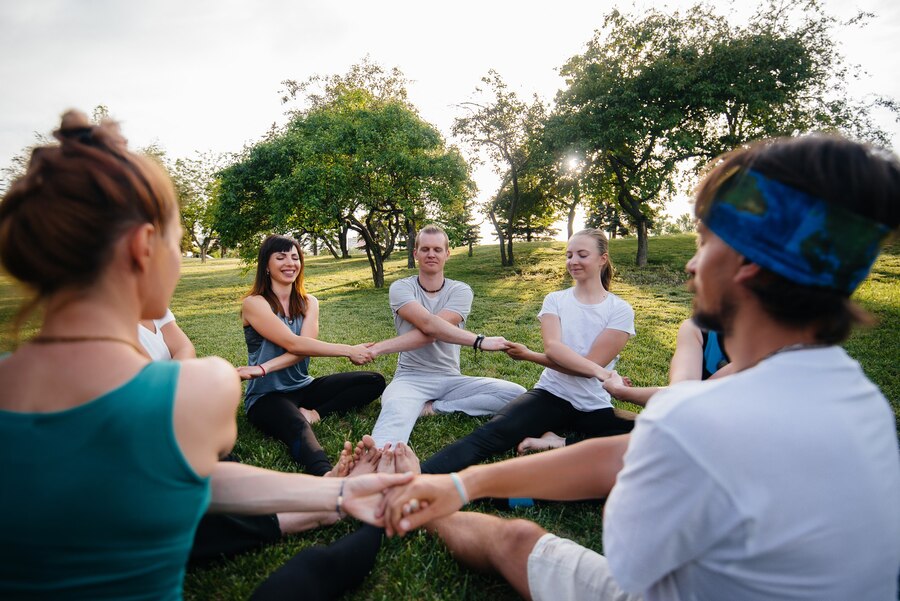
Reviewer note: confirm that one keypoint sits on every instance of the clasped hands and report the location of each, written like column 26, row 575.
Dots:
column 400, row 502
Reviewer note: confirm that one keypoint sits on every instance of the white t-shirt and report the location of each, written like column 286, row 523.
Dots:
column 580, row 325
column 153, row 342
column 779, row 482
column 442, row 357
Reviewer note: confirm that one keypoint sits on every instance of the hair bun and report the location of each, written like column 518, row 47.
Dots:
column 74, row 119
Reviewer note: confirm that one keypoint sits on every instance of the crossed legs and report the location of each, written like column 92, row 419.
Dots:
column 404, row 398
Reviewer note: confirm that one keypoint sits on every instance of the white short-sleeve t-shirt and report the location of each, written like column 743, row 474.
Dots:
column 778, row 482
column 580, row 325
column 153, row 342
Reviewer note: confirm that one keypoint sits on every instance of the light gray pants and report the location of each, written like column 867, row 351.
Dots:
column 562, row 569
column 404, row 397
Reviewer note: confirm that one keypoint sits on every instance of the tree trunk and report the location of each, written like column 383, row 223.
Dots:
column 378, row 274
column 493, row 218
column 641, row 259
column 470, row 246
column 314, row 243
column 330, row 248
column 570, row 225
column 410, row 242
column 511, row 218
column 342, row 241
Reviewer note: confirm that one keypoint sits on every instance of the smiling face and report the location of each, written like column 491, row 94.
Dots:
column 285, row 265
column 431, row 253
column 712, row 269
column 583, row 258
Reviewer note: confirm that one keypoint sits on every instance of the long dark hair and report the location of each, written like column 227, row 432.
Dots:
column 262, row 284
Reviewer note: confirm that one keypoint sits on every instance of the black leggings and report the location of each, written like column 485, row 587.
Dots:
column 320, row 573
column 276, row 415
column 530, row 414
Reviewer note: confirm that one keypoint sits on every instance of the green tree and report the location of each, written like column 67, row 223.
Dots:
column 500, row 126
column 659, row 91
column 197, row 187
column 352, row 161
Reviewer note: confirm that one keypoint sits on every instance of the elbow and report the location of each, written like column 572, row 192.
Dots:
column 297, row 347
column 552, row 352
column 430, row 328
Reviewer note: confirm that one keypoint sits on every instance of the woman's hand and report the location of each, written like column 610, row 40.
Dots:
column 518, row 351
column 364, row 495
column 361, row 354
column 248, row 372
column 617, row 385
column 424, row 499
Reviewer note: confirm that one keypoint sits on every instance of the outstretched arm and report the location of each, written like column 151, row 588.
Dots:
column 240, row 488
column 520, row 352
column 309, row 329
column 606, row 346
column 587, row 470
column 618, row 387
column 257, row 313
column 687, row 362
column 414, row 338
column 438, row 327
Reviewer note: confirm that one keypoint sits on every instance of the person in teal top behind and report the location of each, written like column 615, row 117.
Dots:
column 105, row 466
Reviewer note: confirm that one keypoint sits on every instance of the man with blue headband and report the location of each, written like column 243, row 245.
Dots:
column 781, row 481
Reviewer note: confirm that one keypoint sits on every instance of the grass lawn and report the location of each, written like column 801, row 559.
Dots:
column 207, row 301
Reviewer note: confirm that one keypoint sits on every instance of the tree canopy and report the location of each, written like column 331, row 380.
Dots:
column 656, row 92
column 353, row 160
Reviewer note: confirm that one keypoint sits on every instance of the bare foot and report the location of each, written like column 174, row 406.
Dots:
column 292, row 523
column 366, row 457
column 546, row 442
column 311, row 415
column 405, row 460
column 386, row 465
column 344, row 464
column 427, row 409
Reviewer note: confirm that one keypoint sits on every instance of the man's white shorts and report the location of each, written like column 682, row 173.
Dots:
column 561, row 569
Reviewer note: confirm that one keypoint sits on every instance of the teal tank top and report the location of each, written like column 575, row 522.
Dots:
column 260, row 350
column 97, row 501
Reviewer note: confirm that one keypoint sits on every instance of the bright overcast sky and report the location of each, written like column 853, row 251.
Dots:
column 205, row 75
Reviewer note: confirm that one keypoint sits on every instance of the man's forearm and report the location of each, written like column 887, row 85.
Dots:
column 409, row 341
column 586, row 470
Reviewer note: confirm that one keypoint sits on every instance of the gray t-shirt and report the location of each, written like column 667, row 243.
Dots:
column 441, row 357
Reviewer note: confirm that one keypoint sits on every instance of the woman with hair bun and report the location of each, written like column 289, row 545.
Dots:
column 108, row 460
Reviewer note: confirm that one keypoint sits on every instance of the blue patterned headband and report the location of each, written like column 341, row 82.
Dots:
column 798, row 236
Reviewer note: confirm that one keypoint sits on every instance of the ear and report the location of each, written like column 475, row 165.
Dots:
column 142, row 245
column 746, row 272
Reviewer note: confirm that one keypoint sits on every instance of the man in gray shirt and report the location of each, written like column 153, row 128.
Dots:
column 430, row 312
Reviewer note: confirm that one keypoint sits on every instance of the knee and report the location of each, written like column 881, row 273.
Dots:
column 517, row 536
column 375, row 381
